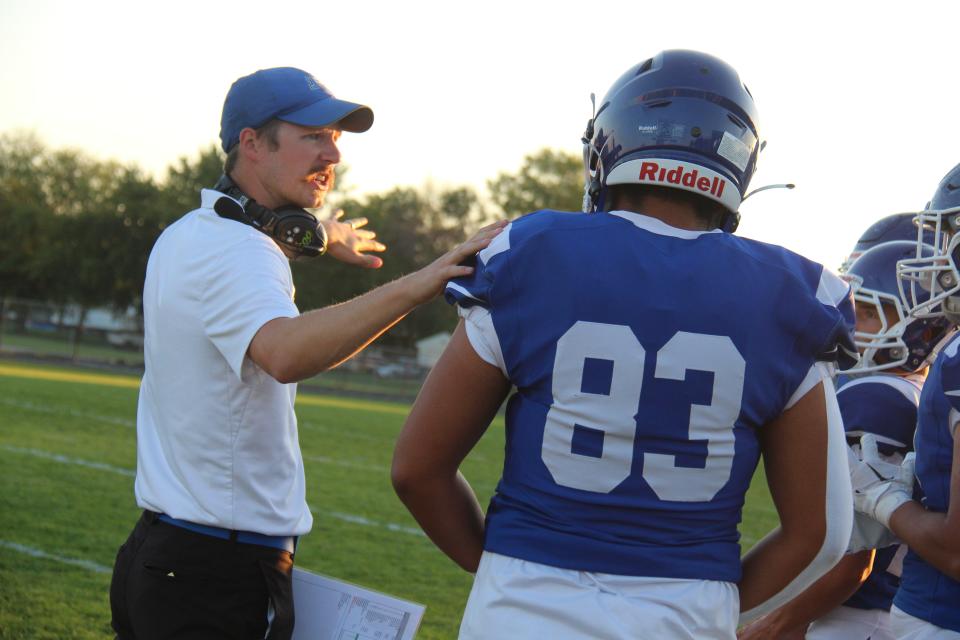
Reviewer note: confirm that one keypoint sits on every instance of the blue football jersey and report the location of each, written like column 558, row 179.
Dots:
column 885, row 405
column 645, row 358
column 925, row 592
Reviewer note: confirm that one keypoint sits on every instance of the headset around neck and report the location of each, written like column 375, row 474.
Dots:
column 292, row 228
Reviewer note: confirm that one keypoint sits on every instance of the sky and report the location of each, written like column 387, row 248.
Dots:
column 857, row 102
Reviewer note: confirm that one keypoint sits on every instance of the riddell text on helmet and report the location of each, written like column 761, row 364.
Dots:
column 653, row 172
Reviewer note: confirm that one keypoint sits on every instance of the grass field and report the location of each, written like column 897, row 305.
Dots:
column 67, row 459
column 58, row 347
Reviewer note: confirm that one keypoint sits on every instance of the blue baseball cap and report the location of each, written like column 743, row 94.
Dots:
column 287, row 94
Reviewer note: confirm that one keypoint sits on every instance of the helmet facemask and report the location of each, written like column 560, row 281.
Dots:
column 884, row 349
column 930, row 281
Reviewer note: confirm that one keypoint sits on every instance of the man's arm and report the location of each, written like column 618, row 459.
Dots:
column 292, row 349
column 804, row 454
column 826, row 594
column 934, row 536
column 456, row 404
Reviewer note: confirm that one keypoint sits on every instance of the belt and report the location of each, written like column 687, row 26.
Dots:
column 285, row 543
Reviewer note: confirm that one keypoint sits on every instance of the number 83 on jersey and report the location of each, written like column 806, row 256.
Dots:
column 614, row 415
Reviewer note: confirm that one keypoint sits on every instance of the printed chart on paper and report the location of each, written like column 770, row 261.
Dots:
column 328, row 609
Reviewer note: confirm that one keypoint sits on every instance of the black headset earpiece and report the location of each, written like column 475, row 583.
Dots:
column 291, row 227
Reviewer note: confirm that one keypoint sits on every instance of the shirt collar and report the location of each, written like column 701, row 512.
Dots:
column 659, row 227
column 209, row 197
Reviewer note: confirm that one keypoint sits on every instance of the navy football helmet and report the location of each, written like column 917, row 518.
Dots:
column 930, row 285
column 908, row 343
column 681, row 119
column 899, row 226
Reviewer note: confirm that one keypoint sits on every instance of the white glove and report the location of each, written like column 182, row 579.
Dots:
column 879, row 487
column 867, row 533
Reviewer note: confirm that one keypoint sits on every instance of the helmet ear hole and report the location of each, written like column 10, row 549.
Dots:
column 594, row 160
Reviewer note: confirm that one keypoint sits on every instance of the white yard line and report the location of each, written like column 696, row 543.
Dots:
column 350, row 464
column 389, row 526
column 39, row 553
column 346, row 517
column 98, row 568
column 56, row 457
column 62, row 411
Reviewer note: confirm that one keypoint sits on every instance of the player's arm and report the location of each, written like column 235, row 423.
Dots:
column 292, row 349
column 934, row 536
column 826, row 594
column 458, row 400
column 804, row 453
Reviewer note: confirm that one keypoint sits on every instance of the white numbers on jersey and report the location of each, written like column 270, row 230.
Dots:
column 615, row 414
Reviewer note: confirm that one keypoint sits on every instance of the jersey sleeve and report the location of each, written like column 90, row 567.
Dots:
column 248, row 285
column 881, row 407
column 474, row 297
column 483, row 335
column 476, row 289
column 831, row 323
column 950, row 373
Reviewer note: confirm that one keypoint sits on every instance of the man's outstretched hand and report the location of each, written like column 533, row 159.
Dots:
column 348, row 242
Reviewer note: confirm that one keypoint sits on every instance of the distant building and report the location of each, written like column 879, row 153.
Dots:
column 120, row 328
column 430, row 348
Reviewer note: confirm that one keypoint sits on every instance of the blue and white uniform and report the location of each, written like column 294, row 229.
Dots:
column 886, row 406
column 925, row 592
column 645, row 359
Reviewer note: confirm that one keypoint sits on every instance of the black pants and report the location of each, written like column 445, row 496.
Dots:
column 169, row 582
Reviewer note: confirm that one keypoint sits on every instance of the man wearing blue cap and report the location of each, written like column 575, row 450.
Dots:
column 219, row 469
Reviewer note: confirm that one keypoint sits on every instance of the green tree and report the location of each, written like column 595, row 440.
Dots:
column 548, row 179
column 80, row 229
column 187, row 176
column 22, row 217
column 22, row 214
column 417, row 225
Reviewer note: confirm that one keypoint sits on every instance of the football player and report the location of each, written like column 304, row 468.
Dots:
column 899, row 226
column 880, row 395
column 927, row 604
column 656, row 357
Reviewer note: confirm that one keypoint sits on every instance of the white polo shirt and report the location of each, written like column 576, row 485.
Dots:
column 216, row 435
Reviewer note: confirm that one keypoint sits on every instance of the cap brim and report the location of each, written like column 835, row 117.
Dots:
column 348, row 116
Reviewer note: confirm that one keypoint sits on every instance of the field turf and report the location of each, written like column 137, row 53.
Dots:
column 67, row 460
